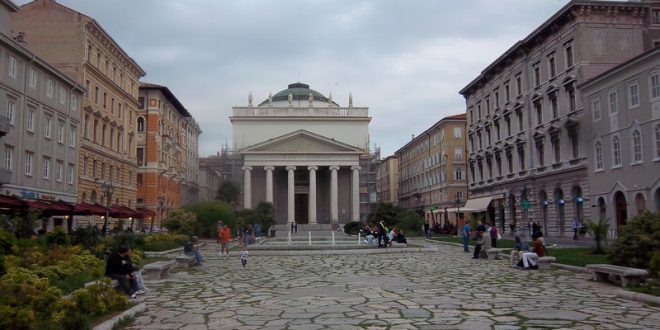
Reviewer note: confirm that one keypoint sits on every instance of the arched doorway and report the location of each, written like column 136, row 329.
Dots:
column 621, row 210
column 640, row 203
column 578, row 203
column 602, row 211
column 561, row 212
column 543, row 198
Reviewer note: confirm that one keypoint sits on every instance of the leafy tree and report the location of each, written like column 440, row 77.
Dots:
column 208, row 214
column 385, row 212
column 181, row 221
column 228, row 191
column 598, row 231
column 637, row 241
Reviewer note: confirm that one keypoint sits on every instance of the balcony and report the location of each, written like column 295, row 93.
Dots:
column 4, row 125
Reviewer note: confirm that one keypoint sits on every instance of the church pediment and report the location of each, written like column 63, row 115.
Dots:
column 301, row 141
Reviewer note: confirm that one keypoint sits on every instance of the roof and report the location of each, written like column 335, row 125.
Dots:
column 299, row 91
column 168, row 94
column 458, row 117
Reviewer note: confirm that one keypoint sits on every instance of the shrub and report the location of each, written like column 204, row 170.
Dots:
column 7, row 240
column 352, row 228
column 208, row 214
column 27, row 301
column 131, row 239
column 163, row 241
column 57, row 237
column 181, row 221
column 637, row 241
column 410, row 221
column 87, row 237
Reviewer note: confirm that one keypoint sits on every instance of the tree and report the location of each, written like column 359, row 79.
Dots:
column 181, row 221
column 599, row 232
column 392, row 215
column 208, row 214
column 228, row 191
column 637, row 241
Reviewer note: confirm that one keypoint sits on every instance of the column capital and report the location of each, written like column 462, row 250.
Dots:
column 312, row 168
column 355, row 167
column 269, row 168
column 290, row 167
column 247, row 168
column 334, row 168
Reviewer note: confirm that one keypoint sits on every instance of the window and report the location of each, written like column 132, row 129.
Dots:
column 105, row 100
column 84, row 165
column 141, row 102
column 637, row 146
column 103, row 132
column 46, row 168
column 497, row 99
column 556, row 147
column 521, row 121
column 60, row 134
column 598, row 155
column 112, row 105
column 102, row 171
column 509, row 160
column 140, row 124
column 541, row 153
column 89, row 53
column 595, row 109
column 130, row 117
column 656, row 16
column 616, row 151
column 575, row 145
column 539, row 112
column 554, row 106
column 568, row 51
column 9, row 157
column 521, row 157
column 63, row 95
column 59, row 171
column 572, row 105
column 457, row 133
column 655, row 84
column 110, row 137
column 478, row 111
column 47, row 126
column 458, row 154
column 507, row 121
column 552, row 66
column 614, row 110
column 497, row 130
column 537, row 75
column 70, row 173
column 96, row 95
column 633, row 95
column 518, row 85
column 33, row 78
column 50, row 88
column 29, row 123
column 28, row 163
column 507, row 92
column 11, row 109
column 72, row 136
column 13, row 69
column 657, row 141
column 96, row 131
column 458, row 174
column 87, row 88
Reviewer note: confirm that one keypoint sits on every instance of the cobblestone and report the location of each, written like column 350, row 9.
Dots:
column 445, row 289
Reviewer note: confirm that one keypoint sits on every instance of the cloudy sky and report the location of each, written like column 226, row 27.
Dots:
column 406, row 60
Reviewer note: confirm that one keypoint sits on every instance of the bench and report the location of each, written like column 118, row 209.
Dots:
column 493, row 253
column 626, row 276
column 185, row 261
column 113, row 283
column 544, row 262
column 157, row 270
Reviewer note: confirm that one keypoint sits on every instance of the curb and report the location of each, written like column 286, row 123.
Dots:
column 330, row 252
column 166, row 252
column 636, row 296
column 107, row 325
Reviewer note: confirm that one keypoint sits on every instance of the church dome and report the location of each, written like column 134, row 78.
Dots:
column 299, row 92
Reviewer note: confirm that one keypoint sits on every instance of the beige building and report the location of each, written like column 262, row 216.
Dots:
column 527, row 146
column 387, row 180
column 40, row 121
column 622, row 128
column 78, row 46
column 432, row 173
column 209, row 179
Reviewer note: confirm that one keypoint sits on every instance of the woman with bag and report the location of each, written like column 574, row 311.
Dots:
column 494, row 236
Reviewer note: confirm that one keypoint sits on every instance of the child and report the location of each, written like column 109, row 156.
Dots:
column 244, row 255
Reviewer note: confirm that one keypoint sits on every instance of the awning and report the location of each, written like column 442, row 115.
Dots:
column 477, row 204
column 145, row 213
column 89, row 209
column 121, row 211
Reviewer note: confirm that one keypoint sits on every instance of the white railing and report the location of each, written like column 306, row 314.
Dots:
column 300, row 111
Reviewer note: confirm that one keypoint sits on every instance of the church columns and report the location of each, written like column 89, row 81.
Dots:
column 247, row 187
column 312, row 194
column 355, row 193
column 269, row 183
column 291, row 194
column 334, row 206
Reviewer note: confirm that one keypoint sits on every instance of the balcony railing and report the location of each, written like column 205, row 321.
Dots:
column 300, row 112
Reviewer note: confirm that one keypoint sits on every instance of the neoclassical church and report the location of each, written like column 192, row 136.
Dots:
column 306, row 154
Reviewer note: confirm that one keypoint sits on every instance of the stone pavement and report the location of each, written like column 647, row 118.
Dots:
column 444, row 289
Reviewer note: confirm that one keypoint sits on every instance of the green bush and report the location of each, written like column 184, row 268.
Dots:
column 131, row 239
column 56, row 237
column 164, row 241
column 410, row 221
column 7, row 240
column 392, row 215
column 87, row 237
column 27, row 301
column 181, row 221
column 208, row 214
column 352, row 228
column 636, row 243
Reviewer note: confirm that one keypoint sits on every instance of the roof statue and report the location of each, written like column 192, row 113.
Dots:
column 250, row 99
column 350, row 99
column 270, row 98
column 290, row 98
column 311, row 98
column 330, row 98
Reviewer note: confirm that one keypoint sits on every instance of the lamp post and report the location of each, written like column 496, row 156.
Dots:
column 458, row 203
column 107, row 189
column 161, row 202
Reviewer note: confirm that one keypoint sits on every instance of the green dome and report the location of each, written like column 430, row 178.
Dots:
column 299, row 91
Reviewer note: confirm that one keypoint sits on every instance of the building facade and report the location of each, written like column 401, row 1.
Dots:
column 305, row 154
column 78, row 46
column 209, row 180
column 387, row 180
column 527, row 149
column 162, row 149
column 40, row 121
column 622, row 128
column 190, row 183
column 432, row 171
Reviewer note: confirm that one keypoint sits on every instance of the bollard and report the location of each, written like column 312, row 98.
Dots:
column 359, row 238
column 310, row 237
column 333, row 238
column 289, row 238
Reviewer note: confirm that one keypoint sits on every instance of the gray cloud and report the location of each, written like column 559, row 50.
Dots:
column 406, row 60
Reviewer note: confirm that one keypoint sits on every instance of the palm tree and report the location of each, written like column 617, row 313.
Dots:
column 599, row 232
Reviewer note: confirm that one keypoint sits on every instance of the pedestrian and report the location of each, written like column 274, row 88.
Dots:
column 291, row 227
column 427, row 229
column 481, row 243
column 576, row 227
column 494, row 235
column 467, row 232
column 295, row 227
column 244, row 255
column 225, row 236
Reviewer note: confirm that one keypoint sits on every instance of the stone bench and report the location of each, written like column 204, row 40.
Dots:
column 626, row 276
column 113, row 283
column 544, row 262
column 185, row 261
column 157, row 270
column 493, row 253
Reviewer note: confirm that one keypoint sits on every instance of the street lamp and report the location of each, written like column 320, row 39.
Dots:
column 107, row 189
column 458, row 203
column 161, row 202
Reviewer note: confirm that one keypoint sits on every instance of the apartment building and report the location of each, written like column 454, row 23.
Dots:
column 527, row 147
column 162, row 149
column 39, row 123
column 79, row 46
column 190, row 183
column 622, row 128
column 432, row 171
column 387, row 180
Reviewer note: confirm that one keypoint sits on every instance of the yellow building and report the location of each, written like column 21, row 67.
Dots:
column 387, row 180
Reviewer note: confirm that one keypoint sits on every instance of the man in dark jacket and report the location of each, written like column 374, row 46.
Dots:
column 118, row 268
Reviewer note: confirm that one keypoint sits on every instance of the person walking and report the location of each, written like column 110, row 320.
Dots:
column 427, row 229
column 225, row 236
column 467, row 232
column 494, row 235
column 244, row 255
column 576, row 227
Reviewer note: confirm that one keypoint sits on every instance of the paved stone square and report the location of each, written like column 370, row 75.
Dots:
column 444, row 289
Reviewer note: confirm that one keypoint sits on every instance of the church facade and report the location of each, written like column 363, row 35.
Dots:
column 305, row 154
